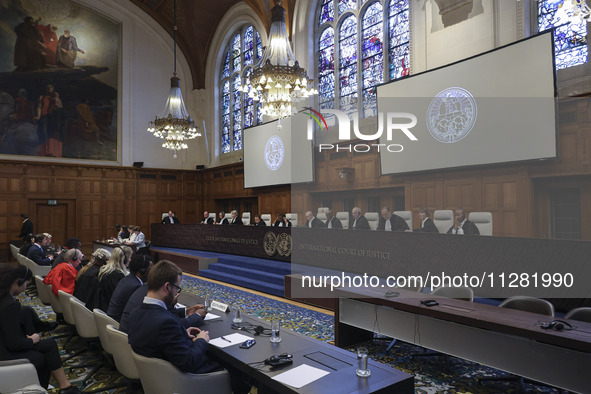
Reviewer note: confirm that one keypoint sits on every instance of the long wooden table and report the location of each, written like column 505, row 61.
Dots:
column 506, row 339
column 341, row 379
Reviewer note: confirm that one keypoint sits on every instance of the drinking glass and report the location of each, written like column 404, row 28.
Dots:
column 237, row 314
column 362, row 355
column 275, row 331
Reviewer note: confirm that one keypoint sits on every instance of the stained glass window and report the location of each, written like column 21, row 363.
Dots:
column 570, row 35
column 370, row 41
column 237, row 110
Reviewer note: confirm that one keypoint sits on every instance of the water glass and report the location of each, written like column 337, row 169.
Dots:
column 237, row 314
column 275, row 331
column 207, row 302
column 362, row 356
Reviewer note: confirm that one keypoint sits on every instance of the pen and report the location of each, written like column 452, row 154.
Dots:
column 226, row 339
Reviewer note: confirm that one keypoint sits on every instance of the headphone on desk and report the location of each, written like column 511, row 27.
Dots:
column 557, row 325
column 24, row 278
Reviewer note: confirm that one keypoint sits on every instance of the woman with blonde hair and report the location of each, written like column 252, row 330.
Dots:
column 110, row 274
column 87, row 282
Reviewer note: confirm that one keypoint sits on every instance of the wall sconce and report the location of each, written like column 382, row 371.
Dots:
column 346, row 172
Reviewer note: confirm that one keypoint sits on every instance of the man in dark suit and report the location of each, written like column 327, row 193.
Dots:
column 258, row 221
column 36, row 252
column 359, row 221
column 427, row 225
column 391, row 222
column 235, row 218
column 222, row 218
column 207, row 219
column 281, row 221
column 138, row 273
column 27, row 227
column 332, row 221
column 170, row 219
column 312, row 221
column 462, row 225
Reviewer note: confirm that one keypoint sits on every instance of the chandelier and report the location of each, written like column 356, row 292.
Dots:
column 174, row 125
column 277, row 80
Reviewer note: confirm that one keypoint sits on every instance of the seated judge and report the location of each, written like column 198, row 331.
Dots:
column 37, row 253
column 359, row 221
column 222, row 218
column 139, row 268
column 207, row 219
column 427, row 225
column 281, row 221
column 63, row 276
column 258, row 221
column 170, row 219
column 332, row 221
column 462, row 225
column 235, row 218
column 155, row 332
column 138, row 240
column 391, row 222
column 312, row 221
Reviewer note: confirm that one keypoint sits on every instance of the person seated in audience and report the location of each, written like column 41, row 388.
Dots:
column 71, row 243
column 312, row 221
column 258, row 221
column 235, row 218
column 87, row 282
column 332, row 221
column 19, row 335
column 48, row 245
column 138, row 240
column 24, row 249
column 222, row 218
column 391, row 222
column 359, row 221
column 155, row 332
column 170, row 219
column 138, row 273
column 63, row 276
column 207, row 219
column 36, row 252
column 462, row 225
column 427, row 225
column 281, row 221
column 109, row 276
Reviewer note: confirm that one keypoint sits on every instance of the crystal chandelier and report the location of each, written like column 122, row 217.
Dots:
column 174, row 125
column 277, row 80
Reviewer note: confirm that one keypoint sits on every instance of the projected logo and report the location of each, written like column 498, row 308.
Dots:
column 452, row 115
column 274, row 153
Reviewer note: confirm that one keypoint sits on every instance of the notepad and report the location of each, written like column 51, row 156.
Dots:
column 232, row 339
column 300, row 376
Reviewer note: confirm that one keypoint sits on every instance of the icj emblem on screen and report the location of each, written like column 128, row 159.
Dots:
column 274, row 152
column 451, row 115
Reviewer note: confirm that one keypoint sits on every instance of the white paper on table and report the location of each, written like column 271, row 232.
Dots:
column 234, row 339
column 300, row 376
column 179, row 306
column 211, row 316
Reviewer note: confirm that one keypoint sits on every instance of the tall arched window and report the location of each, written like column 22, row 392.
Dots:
column 570, row 38
column 238, row 111
column 351, row 34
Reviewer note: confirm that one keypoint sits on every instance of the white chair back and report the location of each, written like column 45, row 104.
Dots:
column 373, row 218
column 122, row 353
column 407, row 216
column 14, row 250
column 64, row 299
column 85, row 324
column 322, row 210
column 482, row 220
column 212, row 215
column 246, row 218
column 344, row 218
column 293, row 218
column 266, row 217
column 443, row 219
column 42, row 290
column 102, row 320
column 322, row 216
column 228, row 216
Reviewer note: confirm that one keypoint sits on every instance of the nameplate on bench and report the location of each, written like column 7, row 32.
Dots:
column 218, row 306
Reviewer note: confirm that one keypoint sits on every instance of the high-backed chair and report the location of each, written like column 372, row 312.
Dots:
column 228, row 216
column 159, row 376
column 122, row 353
column 482, row 220
column 14, row 250
column 42, row 290
column 407, row 216
column 459, row 293
column 212, row 215
column 164, row 215
column 64, row 299
column 322, row 210
column 443, row 219
column 580, row 314
column 19, row 376
column 322, row 216
column 102, row 320
column 344, row 218
column 36, row 269
column 293, row 218
column 266, row 217
column 246, row 218
column 373, row 218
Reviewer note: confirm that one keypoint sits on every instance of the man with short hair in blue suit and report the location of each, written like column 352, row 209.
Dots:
column 138, row 273
column 36, row 252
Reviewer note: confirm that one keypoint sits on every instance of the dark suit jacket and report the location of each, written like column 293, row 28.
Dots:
column 428, row 227
column 26, row 229
column 468, row 227
column 260, row 223
column 237, row 221
column 396, row 222
column 37, row 254
column 136, row 300
column 224, row 221
column 121, row 295
column 362, row 224
column 87, row 286
column 208, row 221
column 315, row 223
column 336, row 223
column 166, row 220
column 107, row 285
column 155, row 332
column 276, row 223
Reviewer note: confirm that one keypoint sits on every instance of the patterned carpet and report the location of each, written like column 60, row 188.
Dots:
column 439, row 374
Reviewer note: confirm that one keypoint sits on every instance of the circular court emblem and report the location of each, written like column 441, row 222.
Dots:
column 274, row 152
column 451, row 115
column 270, row 243
column 284, row 244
